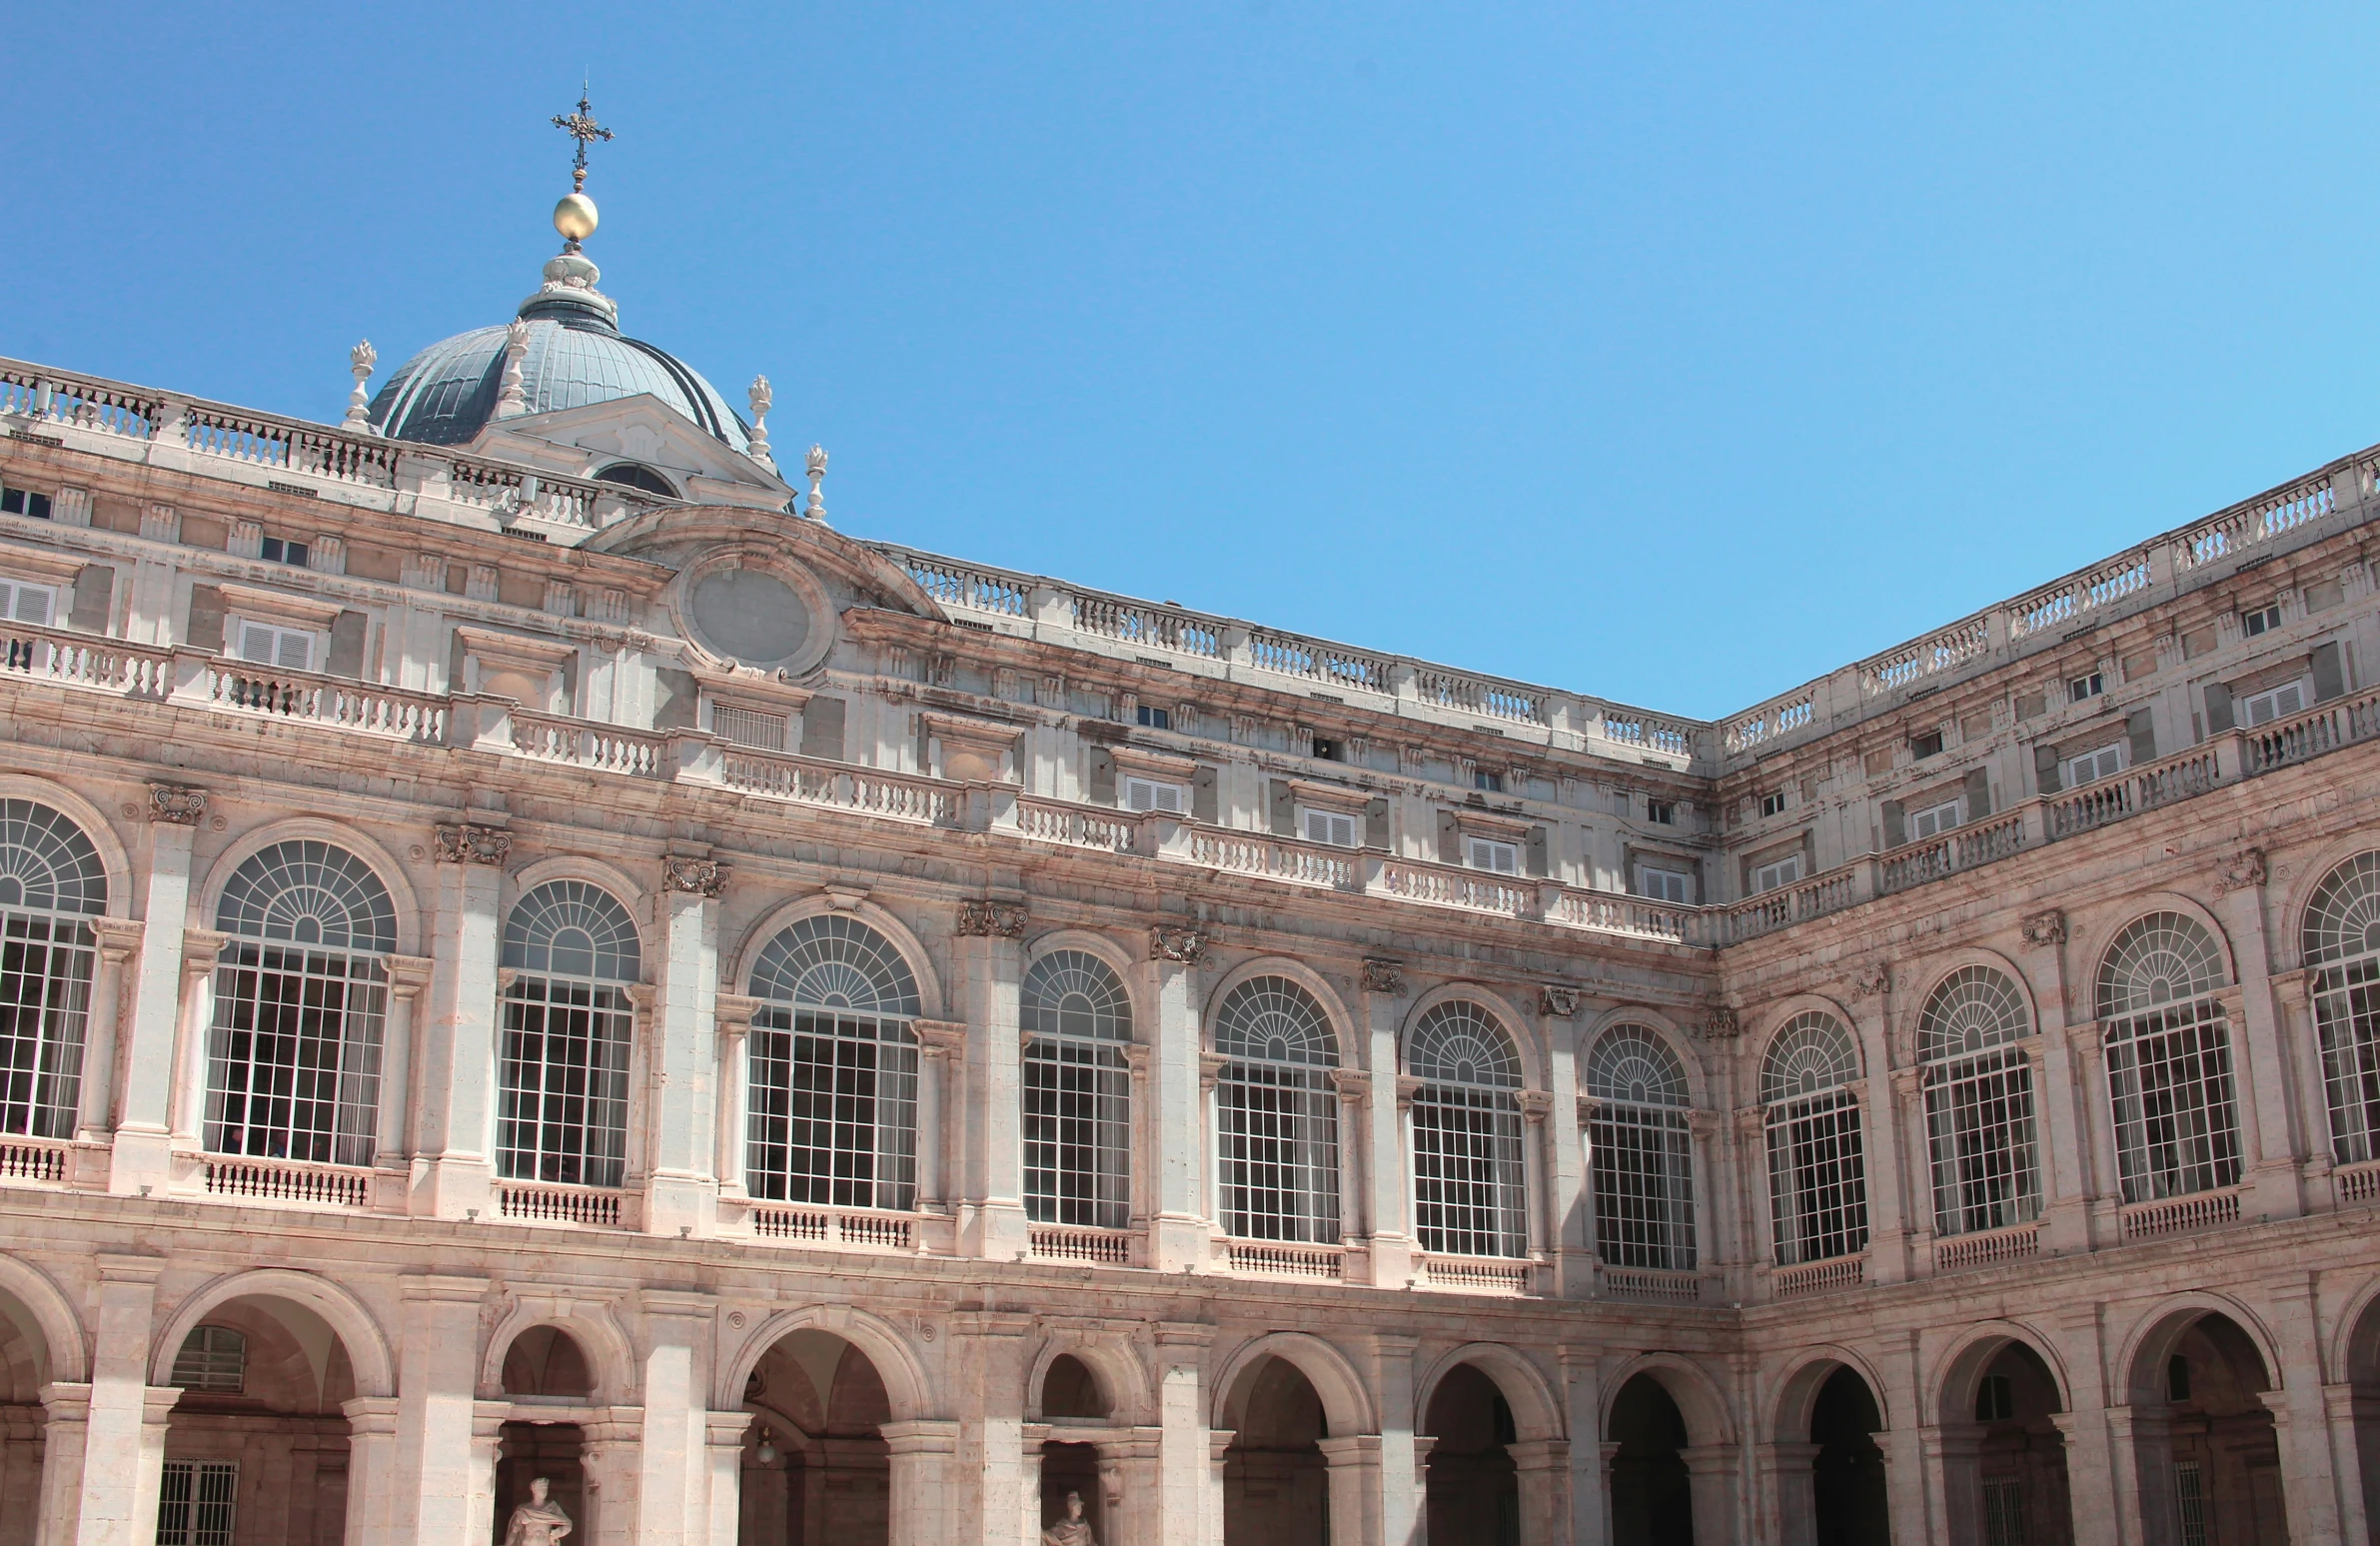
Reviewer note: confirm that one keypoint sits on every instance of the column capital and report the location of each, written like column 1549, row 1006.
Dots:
column 725, row 1430
column 1408, row 1088
column 470, row 843
column 992, row 920
column 370, row 1414
column 941, row 1038
column 65, row 1401
column 700, row 877
column 176, row 805
column 675, row 1302
column 118, row 939
column 734, row 1012
column 1210, row 1070
column 1354, row 1084
column 199, row 948
column 1535, row 1106
column 409, row 973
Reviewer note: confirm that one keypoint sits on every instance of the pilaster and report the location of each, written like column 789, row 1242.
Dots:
column 673, row 1447
column 124, row 1457
column 442, row 1493
column 1380, row 1007
column 681, row 1101
column 991, row 949
column 142, row 1161
column 1182, row 1150
column 457, row 1129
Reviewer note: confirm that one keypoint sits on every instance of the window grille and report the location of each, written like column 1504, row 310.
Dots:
column 2169, row 1059
column 214, row 1359
column 1277, row 1116
column 1818, row 1181
column 1640, row 1152
column 1470, row 1194
column 562, row 1109
column 2003, row 1512
column 749, row 728
column 834, row 1071
column 1978, row 1084
column 195, row 1504
column 50, row 883
column 2189, row 1502
column 1077, row 1092
column 293, row 1065
column 2105, row 763
column 2341, row 941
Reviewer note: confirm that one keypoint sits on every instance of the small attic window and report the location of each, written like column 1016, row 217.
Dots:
column 635, row 475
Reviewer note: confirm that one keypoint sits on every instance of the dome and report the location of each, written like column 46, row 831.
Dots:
column 447, row 394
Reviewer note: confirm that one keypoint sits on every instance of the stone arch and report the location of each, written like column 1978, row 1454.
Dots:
column 631, row 893
column 1346, row 1405
column 1121, row 1377
column 911, row 949
column 1953, row 1391
column 2354, row 1341
column 115, row 860
column 1537, row 1413
column 908, row 1385
column 1334, row 1008
column 358, row 1332
column 1777, row 1016
column 403, row 899
column 1514, row 1024
column 2107, row 922
column 1798, row 1390
column 1941, row 968
column 63, row 1354
column 1701, row 1399
column 2286, row 943
column 611, row 1364
column 1666, row 1030
column 2154, row 1335
column 1117, row 959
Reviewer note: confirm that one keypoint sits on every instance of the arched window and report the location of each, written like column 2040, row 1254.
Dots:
column 213, row 1359
column 1276, row 1114
column 293, row 1066
column 1639, row 1153
column 1818, row 1174
column 833, row 1068
column 2342, row 943
column 1979, row 1102
column 2169, row 1059
column 1077, row 1092
column 51, row 884
column 563, row 1113
column 1470, row 1198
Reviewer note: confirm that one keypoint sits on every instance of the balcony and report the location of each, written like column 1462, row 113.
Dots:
column 1280, row 1259
column 274, row 1181
column 1085, row 1246
column 847, row 1228
column 2181, row 1215
column 1965, row 1252
column 586, row 1208
column 1650, row 1285
column 1832, row 1275
column 1478, row 1274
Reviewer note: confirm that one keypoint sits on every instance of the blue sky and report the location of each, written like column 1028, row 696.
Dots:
column 1676, row 352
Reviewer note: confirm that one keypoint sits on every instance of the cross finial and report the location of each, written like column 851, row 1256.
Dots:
column 580, row 126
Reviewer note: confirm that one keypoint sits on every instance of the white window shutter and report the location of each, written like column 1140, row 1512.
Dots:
column 256, row 642
column 1169, row 798
column 297, row 650
column 32, row 605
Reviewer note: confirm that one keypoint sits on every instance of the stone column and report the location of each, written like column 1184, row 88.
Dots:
column 371, row 1471
column 119, row 942
column 673, row 1445
column 735, row 1014
column 1381, row 1006
column 1128, row 1488
column 723, row 1458
column 2142, row 1453
column 1912, row 1170
column 989, row 1350
column 2103, row 1194
column 2269, row 1131
column 1422, row 1443
column 1178, row 1238
column 1542, row 1468
column 125, row 1416
column 1535, row 1106
column 142, row 1161
column 942, row 1066
column 991, row 1219
column 2060, row 1101
column 2309, row 1491
column 1354, row 1088
column 1589, row 1456
column 1353, row 1478
column 439, row 1483
column 1905, row 1494
column 1566, row 1208
column 65, row 1439
column 1402, row 1515
column 1182, row 1508
column 682, row 1063
column 1218, row 1451
column 194, row 1034
column 455, row 1131
column 408, row 976
column 924, row 1477
column 2093, row 1518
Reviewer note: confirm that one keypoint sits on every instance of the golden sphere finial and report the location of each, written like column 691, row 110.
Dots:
column 574, row 217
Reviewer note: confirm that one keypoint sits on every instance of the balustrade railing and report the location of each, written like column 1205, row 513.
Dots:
column 1961, row 1252
column 543, row 1202
column 1098, row 1247
column 842, row 786
column 1445, row 885
column 33, row 1160
column 338, row 701
column 963, row 584
column 2147, row 788
column 1770, row 720
column 1817, row 1278
column 585, row 744
column 267, row 1180
column 835, row 1226
column 1477, row 1274
column 2181, row 1215
column 1080, row 827
column 1979, row 843
column 2325, row 727
column 84, row 660
column 1270, row 1258
column 1652, row 1286
column 1282, row 858
column 1615, row 913
column 2356, row 1183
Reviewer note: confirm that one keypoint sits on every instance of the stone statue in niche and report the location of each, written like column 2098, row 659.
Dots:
column 1074, row 1530
column 540, row 1521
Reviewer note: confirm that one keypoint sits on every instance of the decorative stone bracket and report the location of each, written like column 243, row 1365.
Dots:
column 467, row 843
column 1382, row 975
column 1558, row 1000
column 1187, row 946
column 992, row 920
column 701, row 877
column 176, row 805
column 2047, row 927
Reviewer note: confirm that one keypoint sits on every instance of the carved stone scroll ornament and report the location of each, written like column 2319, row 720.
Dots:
column 1187, row 946
column 2242, row 874
column 1558, row 1000
column 1384, row 976
column 1873, row 983
column 702, row 876
column 2048, row 927
column 176, row 805
column 1720, row 1024
column 467, row 843
column 992, row 920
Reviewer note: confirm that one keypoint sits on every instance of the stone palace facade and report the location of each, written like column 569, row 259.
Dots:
column 527, row 953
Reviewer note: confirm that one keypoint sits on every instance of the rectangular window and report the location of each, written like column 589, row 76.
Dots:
column 1077, row 1134
column 278, row 550
column 1773, row 803
column 268, row 644
column 2080, row 687
column 1328, row 750
column 748, row 728
column 213, row 1359
column 2263, row 621
column 1491, row 782
column 1331, row 826
column 1502, row 857
column 22, row 603
column 2273, row 704
column 1784, row 871
column 1662, row 885
column 2189, row 1502
column 194, row 1507
column 1933, row 821
column 24, row 501
column 1926, row 745
column 833, row 1110
column 1663, row 811
column 1995, row 1398
column 1154, row 718
column 2104, row 762
column 1149, row 795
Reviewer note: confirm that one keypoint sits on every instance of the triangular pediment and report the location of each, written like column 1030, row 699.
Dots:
column 581, row 442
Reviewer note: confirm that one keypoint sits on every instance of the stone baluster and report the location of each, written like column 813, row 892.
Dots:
column 681, row 1192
